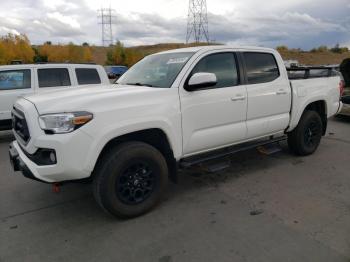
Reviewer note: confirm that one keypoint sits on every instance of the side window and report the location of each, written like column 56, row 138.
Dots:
column 52, row 77
column 261, row 67
column 223, row 65
column 15, row 79
column 87, row 76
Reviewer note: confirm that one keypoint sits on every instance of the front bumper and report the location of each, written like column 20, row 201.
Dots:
column 18, row 165
column 70, row 159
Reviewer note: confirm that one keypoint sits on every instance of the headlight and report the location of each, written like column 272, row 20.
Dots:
column 65, row 122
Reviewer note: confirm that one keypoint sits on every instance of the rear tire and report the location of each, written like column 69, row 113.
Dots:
column 306, row 137
column 130, row 179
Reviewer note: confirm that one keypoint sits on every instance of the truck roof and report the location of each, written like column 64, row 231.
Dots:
column 218, row 47
column 48, row 65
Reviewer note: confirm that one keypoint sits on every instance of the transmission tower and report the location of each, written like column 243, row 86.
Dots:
column 107, row 20
column 197, row 21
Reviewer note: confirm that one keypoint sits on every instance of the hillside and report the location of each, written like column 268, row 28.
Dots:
column 99, row 53
column 315, row 58
column 308, row 58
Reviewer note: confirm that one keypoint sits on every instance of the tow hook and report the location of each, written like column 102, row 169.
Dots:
column 56, row 187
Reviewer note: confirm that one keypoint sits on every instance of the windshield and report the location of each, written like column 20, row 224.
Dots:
column 156, row 70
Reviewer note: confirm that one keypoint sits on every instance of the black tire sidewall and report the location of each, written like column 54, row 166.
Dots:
column 117, row 162
column 299, row 142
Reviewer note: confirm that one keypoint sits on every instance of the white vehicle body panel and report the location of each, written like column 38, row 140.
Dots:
column 212, row 118
column 307, row 91
column 269, row 104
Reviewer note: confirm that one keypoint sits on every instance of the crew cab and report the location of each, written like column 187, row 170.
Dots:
column 172, row 109
column 19, row 80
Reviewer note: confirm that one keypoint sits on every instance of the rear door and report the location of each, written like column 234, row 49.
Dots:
column 214, row 117
column 269, row 95
column 14, row 83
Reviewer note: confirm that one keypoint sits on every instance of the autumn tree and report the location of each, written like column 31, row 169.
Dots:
column 15, row 47
column 66, row 53
column 119, row 55
column 282, row 48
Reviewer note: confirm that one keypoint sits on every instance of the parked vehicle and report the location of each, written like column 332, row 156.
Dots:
column 172, row 109
column 114, row 72
column 346, row 106
column 20, row 80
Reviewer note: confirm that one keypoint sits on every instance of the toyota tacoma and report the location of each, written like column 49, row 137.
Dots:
column 172, row 109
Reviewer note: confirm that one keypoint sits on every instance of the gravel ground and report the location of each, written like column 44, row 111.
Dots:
column 263, row 208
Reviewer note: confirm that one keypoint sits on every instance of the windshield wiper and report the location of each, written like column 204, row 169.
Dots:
column 140, row 84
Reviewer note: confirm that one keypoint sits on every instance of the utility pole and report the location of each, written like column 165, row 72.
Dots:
column 107, row 20
column 197, row 21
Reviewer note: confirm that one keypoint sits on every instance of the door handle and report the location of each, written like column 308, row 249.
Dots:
column 281, row 92
column 238, row 98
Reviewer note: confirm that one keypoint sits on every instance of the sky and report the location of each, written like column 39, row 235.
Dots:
column 296, row 23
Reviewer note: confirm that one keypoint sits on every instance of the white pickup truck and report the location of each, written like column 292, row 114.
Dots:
column 172, row 109
column 21, row 80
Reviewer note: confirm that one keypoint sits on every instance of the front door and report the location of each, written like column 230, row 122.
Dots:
column 214, row 117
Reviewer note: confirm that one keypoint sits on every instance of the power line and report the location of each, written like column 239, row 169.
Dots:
column 107, row 20
column 197, row 21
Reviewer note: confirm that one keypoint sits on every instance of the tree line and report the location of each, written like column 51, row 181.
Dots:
column 337, row 49
column 17, row 48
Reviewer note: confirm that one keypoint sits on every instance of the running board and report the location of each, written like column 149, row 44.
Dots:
column 194, row 160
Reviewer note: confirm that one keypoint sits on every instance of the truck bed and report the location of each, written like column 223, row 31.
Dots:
column 310, row 84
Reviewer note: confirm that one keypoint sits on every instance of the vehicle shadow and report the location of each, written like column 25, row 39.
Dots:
column 343, row 118
column 189, row 181
column 6, row 136
column 75, row 202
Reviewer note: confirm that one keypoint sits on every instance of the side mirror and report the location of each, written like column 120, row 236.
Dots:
column 200, row 81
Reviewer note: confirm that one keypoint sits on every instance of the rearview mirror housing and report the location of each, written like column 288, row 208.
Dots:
column 200, row 81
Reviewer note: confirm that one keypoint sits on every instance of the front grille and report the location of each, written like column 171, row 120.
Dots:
column 19, row 125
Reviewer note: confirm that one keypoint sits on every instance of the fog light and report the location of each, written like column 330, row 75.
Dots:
column 53, row 157
column 43, row 157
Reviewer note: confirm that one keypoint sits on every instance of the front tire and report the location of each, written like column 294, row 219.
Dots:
column 306, row 137
column 130, row 179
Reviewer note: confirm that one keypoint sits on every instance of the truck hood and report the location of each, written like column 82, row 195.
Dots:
column 89, row 98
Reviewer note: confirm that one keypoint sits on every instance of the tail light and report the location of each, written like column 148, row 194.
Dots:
column 341, row 87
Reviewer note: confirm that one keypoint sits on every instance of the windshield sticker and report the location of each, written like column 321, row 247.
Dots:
column 179, row 60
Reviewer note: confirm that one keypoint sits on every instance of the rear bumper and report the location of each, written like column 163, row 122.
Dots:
column 345, row 110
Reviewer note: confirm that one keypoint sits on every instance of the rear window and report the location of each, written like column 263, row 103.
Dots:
column 15, row 79
column 53, row 77
column 261, row 67
column 87, row 76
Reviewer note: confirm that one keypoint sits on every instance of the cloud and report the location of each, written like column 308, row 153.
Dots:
column 299, row 23
column 149, row 28
column 5, row 30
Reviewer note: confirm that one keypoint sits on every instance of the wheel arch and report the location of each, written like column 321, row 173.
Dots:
column 318, row 105
column 155, row 137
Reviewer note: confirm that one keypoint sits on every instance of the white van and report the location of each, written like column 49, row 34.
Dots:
column 21, row 80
